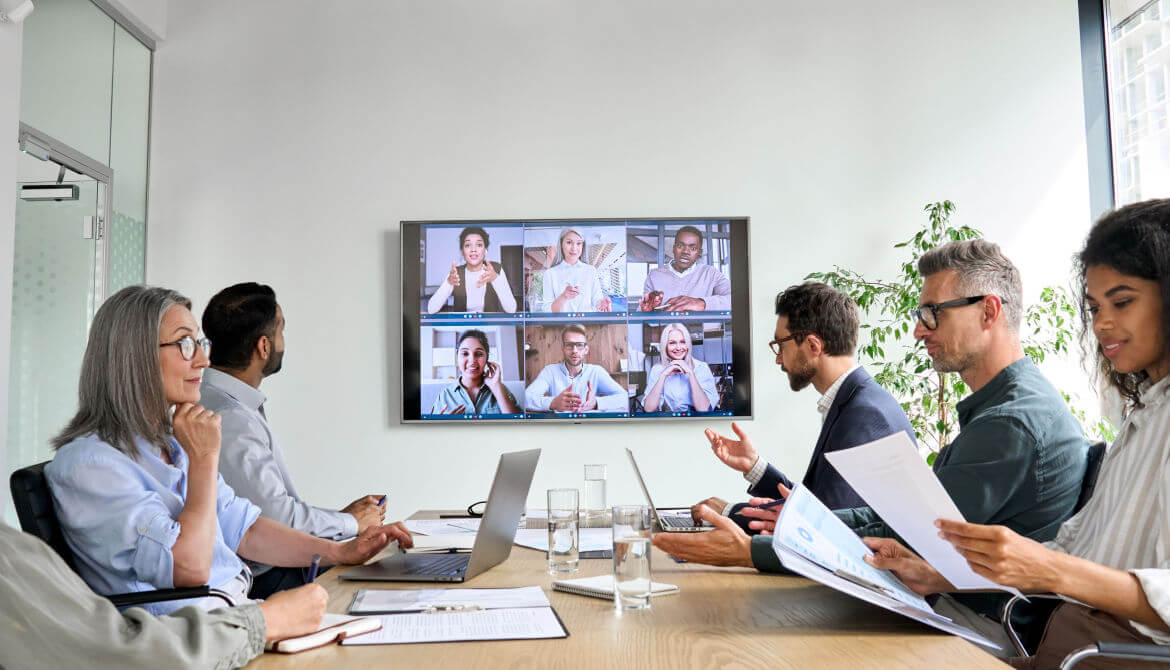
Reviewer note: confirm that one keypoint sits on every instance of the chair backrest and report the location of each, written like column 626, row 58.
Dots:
column 1092, row 469
column 34, row 508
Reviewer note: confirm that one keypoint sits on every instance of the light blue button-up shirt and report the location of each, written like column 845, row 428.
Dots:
column 119, row 517
column 553, row 379
column 676, row 390
column 252, row 462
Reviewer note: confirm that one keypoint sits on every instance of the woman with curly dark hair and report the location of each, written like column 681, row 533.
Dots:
column 1110, row 561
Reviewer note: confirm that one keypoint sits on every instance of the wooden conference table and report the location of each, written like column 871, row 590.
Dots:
column 721, row 618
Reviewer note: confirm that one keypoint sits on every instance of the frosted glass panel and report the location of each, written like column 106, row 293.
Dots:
column 52, row 304
column 68, row 55
column 128, row 156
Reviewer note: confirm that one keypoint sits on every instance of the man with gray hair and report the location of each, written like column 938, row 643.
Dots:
column 1019, row 457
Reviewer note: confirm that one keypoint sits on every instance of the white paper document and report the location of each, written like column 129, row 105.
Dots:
column 898, row 484
column 810, row 530
column 528, row 623
column 439, row 526
column 385, row 601
column 466, row 524
column 588, row 539
column 811, row 541
column 440, row 543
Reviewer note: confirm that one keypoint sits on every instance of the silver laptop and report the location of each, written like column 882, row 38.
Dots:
column 667, row 523
column 493, row 543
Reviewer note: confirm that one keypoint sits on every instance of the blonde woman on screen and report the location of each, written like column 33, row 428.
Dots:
column 572, row 284
column 680, row 382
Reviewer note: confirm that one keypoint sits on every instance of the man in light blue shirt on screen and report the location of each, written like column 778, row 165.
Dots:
column 574, row 385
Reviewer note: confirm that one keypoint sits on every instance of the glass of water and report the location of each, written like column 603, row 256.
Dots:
column 563, row 510
column 631, row 557
column 595, row 494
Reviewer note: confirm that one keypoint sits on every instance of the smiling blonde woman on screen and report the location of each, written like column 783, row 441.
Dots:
column 680, row 383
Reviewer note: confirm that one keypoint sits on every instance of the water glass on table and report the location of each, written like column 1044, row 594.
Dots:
column 563, row 511
column 631, row 557
column 594, row 502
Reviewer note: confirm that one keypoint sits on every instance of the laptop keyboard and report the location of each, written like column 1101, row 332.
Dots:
column 677, row 521
column 439, row 565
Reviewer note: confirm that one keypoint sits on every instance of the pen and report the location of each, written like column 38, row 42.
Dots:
column 774, row 503
column 861, row 581
column 437, row 609
column 382, row 501
column 314, row 567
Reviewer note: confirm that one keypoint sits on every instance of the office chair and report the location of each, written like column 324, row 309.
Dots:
column 34, row 508
column 1126, row 650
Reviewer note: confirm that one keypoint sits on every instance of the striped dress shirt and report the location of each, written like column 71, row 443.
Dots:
column 1126, row 524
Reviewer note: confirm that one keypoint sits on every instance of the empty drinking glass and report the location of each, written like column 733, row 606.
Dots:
column 631, row 557
column 594, row 502
column 563, row 508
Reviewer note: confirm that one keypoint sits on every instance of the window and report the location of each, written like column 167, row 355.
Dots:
column 1137, row 53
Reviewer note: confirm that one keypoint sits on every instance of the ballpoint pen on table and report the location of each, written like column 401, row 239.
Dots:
column 438, row 609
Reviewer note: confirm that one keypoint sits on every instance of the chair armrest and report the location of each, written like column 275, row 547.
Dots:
column 1128, row 650
column 1005, row 616
column 163, row 595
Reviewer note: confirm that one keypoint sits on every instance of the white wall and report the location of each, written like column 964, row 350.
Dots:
column 10, row 42
column 288, row 144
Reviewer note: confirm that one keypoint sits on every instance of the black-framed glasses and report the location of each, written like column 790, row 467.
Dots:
column 928, row 314
column 578, row 346
column 187, row 346
column 777, row 344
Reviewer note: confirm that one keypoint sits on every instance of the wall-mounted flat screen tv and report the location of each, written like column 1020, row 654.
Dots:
column 578, row 320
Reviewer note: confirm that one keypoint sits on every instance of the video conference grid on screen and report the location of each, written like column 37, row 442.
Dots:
column 575, row 319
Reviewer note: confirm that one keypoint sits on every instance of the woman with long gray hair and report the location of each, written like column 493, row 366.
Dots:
column 135, row 480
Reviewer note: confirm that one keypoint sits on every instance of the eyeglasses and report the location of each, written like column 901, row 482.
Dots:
column 928, row 314
column 777, row 345
column 187, row 346
column 574, row 345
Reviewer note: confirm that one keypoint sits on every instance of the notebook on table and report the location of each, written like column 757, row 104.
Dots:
column 334, row 628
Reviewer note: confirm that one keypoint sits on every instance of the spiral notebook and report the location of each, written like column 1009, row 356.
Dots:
column 602, row 587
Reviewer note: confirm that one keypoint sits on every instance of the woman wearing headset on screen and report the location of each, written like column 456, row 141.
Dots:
column 479, row 285
column 680, row 382
column 571, row 284
column 480, row 387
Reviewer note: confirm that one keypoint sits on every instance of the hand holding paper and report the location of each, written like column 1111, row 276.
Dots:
column 899, row 485
column 1003, row 556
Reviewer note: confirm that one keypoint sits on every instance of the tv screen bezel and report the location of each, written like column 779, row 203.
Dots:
column 410, row 292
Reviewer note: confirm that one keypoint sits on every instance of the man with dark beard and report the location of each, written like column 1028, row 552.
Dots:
column 246, row 327
column 816, row 335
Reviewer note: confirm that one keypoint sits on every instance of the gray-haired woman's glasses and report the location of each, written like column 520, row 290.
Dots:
column 187, row 346
column 928, row 314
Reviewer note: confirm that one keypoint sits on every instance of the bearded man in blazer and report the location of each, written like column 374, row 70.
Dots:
column 814, row 343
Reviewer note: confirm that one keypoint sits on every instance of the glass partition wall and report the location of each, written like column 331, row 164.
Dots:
column 81, row 208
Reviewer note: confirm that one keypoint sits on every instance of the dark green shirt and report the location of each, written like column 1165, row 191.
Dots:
column 1017, row 461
